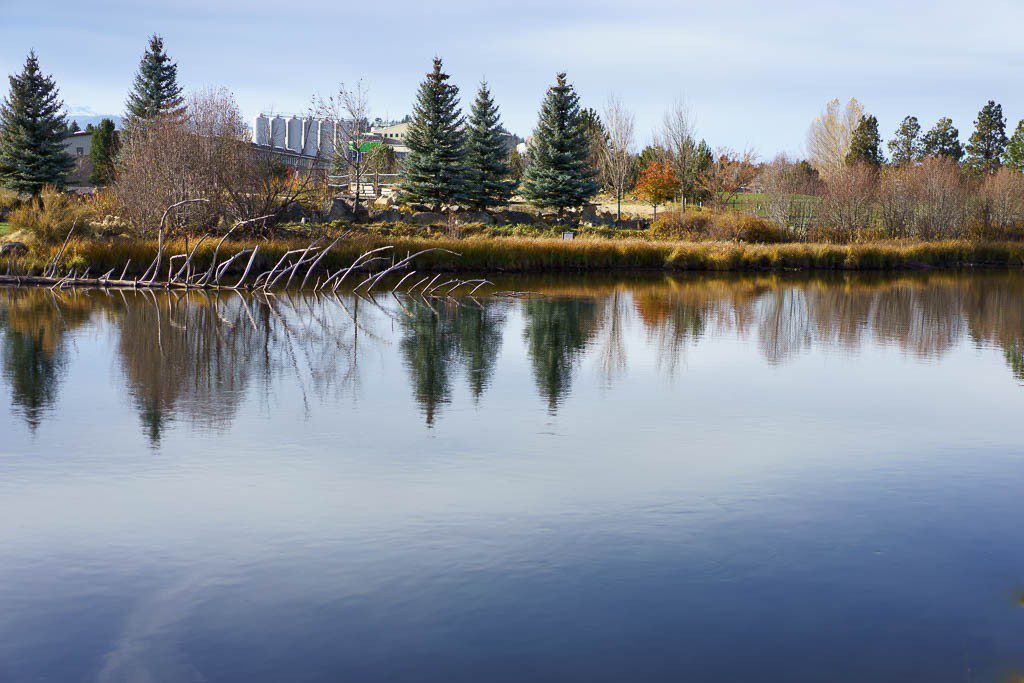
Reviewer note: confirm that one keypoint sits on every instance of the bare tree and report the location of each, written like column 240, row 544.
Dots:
column 617, row 165
column 349, row 111
column 677, row 139
column 728, row 175
column 790, row 190
column 849, row 200
column 829, row 137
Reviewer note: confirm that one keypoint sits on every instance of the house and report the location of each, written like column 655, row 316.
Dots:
column 78, row 145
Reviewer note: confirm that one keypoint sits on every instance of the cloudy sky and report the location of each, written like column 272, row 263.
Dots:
column 753, row 73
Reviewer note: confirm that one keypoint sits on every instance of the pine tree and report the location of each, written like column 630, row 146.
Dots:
column 560, row 174
column 73, row 127
column 155, row 91
column 906, row 147
column 943, row 141
column 488, row 170
column 1014, row 154
column 103, row 152
column 866, row 143
column 435, row 170
column 985, row 148
column 32, row 126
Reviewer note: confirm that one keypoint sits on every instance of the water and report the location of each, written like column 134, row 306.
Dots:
column 700, row 479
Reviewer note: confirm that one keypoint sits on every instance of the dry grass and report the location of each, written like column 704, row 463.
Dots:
column 497, row 255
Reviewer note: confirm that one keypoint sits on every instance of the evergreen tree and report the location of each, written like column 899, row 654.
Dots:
column 435, row 170
column 32, row 126
column 103, row 152
column 866, row 143
column 985, row 148
column 1014, row 154
column 73, row 128
column 560, row 174
column 943, row 141
column 906, row 147
column 156, row 90
column 89, row 128
column 488, row 171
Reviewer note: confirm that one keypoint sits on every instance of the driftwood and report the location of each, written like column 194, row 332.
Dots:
column 294, row 266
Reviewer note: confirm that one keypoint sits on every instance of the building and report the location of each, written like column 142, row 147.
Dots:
column 78, row 145
column 307, row 141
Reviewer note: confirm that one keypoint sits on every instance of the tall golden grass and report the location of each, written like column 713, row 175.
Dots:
column 497, row 255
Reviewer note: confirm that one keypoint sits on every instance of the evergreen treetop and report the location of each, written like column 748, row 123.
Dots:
column 1013, row 157
column 866, row 143
column 103, row 152
column 155, row 91
column 987, row 142
column 943, row 141
column 906, row 146
column 435, row 171
column 559, row 174
column 32, row 129
column 487, row 164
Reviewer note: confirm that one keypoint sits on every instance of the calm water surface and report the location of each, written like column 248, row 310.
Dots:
column 700, row 479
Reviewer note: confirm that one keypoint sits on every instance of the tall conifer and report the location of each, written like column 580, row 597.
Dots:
column 488, row 172
column 155, row 91
column 559, row 174
column 435, row 170
column 32, row 129
column 987, row 142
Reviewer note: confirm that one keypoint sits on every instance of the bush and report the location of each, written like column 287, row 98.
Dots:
column 49, row 216
column 743, row 227
column 679, row 225
column 9, row 200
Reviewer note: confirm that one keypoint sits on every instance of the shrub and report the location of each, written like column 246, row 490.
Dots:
column 49, row 216
column 677, row 225
column 744, row 227
column 9, row 199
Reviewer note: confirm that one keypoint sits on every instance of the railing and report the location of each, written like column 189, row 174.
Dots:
column 369, row 183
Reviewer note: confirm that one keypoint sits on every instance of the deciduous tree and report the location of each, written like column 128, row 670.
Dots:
column 830, row 136
column 617, row 166
column 657, row 184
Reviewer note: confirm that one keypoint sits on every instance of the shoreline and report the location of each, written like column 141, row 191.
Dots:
column 510, row 255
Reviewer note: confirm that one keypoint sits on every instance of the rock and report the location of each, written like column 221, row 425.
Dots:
column 387, row 216
column 512, row 217
column 428, row 218
column 384, row 202
column 339, row 210
column 475, row 217
column 589, row 214
column 12, row 249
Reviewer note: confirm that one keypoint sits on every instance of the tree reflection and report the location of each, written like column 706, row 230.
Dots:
column 35, row 354
column 558, row 330
column 440, row 336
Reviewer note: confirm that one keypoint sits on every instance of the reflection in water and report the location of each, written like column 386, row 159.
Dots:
column 196, row 357
column 558, row 330
column 34, row 325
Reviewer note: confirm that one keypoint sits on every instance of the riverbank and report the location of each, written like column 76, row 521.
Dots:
column 522, row 255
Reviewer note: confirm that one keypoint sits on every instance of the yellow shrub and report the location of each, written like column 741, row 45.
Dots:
column 49, row 216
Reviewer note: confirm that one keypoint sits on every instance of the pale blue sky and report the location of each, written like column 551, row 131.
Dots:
column 754, row 73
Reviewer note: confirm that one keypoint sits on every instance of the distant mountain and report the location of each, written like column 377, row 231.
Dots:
column 86, row 115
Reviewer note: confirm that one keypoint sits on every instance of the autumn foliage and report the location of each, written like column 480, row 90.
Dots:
column 657, row 185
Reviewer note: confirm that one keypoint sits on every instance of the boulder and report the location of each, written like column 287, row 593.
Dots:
column 512, row 217
column 339, row 210
column 428, row 218
column 387, row 216
column 475, row 217
column 384, row 202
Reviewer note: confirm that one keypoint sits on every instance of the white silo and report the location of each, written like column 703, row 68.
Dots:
column 310, row 137
column 261, row 130
column 293, row 134
column 277, row 126
column 326, row 138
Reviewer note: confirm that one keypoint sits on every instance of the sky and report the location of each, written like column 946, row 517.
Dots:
column 753, row 74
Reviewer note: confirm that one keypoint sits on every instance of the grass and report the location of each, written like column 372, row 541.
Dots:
column 4, row 229
column 519, row 254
